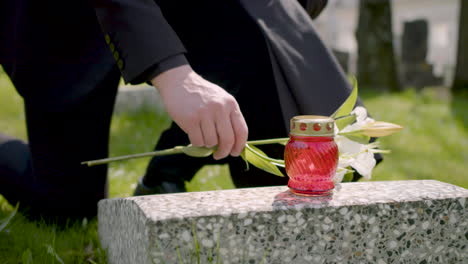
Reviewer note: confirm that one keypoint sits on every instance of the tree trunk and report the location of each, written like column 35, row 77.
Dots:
column 376, row 59
column 460, row 82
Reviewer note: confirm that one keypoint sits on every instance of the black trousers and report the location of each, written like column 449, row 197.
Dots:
column 46, row 176
column 68, row 112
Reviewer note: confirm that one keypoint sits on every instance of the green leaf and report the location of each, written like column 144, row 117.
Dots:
column 7, row 220
column 348, row 105
column 356, row 135
column 260, row 160
column 358, row 132
column 342, row 122
column 27, row 257
column 363, row 139
column 348, row 177
column 263, row 156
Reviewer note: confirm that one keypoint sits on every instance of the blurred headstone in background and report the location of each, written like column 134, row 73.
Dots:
column 460, row 82
column 414, row 43
column 339, row 21
column 416, row 71
column 132, row 98
column 376, row 58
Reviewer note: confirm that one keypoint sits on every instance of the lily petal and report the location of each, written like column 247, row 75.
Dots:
column 364, row 163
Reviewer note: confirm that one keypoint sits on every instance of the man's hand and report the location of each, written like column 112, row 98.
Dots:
column 206, row 112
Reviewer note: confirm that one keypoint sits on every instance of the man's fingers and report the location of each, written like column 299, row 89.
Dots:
column 195, row 135
column 203, row 110
column 225, row 136
column 208, row 129
column 241, row 132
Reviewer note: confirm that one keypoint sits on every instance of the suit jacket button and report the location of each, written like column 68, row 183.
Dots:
column 120, row 64
column 107, row 38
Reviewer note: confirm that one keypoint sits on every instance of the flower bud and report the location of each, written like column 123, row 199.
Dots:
column 380, row 129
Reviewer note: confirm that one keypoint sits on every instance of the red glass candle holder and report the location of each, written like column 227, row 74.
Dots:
column 311, row 156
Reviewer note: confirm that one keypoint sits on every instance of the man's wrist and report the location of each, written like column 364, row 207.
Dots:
column 171, row 78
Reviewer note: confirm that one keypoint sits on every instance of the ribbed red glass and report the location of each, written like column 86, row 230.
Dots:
column 311, row 164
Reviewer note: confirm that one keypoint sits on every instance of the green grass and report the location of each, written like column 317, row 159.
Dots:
column 78, row 243
column 435, row 138
column 128, row 136
column 432, row 146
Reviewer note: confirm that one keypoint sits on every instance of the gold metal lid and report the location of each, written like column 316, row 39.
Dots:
column 312, row 125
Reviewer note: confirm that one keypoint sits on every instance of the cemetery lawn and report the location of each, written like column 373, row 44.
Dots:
column 432, row 146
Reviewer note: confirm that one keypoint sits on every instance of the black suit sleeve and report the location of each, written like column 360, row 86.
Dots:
column 162, row 66
column 138, row 36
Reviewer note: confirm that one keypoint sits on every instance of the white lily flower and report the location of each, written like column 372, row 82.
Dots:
column 361, row 120
column 354, row 154
column 359, row 156
column 347, row 146
column 364, row 163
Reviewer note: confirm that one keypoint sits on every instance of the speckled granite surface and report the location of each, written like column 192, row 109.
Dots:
column 369, row 222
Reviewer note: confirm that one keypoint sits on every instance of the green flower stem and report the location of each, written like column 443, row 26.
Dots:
column 175, row 150
column 267, row 141
column 172, row 151
column 383, row 151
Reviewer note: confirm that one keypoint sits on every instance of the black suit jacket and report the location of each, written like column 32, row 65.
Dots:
column 62, row 38
column 143, row 32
